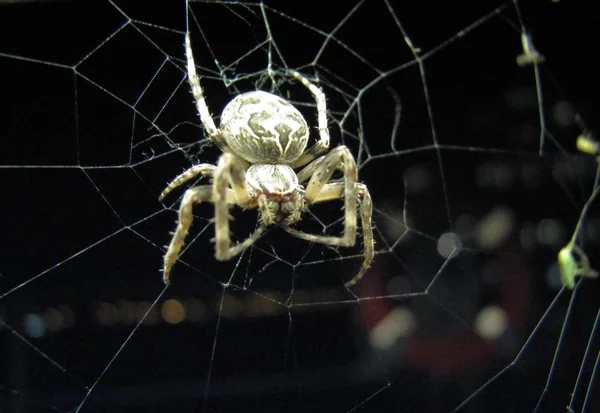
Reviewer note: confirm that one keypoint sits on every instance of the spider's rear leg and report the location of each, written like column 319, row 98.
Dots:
column 205, row 116
column 322, row 144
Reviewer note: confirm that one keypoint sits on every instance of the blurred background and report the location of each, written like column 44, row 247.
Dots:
column 470, row 159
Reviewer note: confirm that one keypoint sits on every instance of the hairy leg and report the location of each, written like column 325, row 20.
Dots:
column 323, row 143
column 333, row 191
column 204, row 169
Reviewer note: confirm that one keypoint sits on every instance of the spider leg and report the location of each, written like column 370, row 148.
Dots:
column 230, row 172
column 204, row 169
column 338, row 158
column 205, row 116
column 323, row 143
column 336, row 191
column 333, row 191
column 308, row 171
column 192, row 196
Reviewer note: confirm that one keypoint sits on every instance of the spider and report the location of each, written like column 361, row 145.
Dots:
column 263, row 139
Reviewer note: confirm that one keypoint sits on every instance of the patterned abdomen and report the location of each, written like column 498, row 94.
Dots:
column 263, row 128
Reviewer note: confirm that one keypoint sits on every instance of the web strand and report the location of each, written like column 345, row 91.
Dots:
column 459, row 132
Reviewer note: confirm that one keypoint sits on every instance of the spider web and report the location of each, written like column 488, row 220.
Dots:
column 470, row 159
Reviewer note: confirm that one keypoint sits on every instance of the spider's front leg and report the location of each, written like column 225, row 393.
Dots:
column 204, row 169
column 191, row 197
column 231, row 171
column 320, row 171
column 335, row 190
column 339, row 158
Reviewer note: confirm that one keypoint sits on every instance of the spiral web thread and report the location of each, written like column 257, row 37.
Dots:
column 439, row 110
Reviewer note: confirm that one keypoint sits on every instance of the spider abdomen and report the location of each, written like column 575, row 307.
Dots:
column 264, row 128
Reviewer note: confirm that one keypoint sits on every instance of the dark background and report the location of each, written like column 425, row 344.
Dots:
column 82, row 229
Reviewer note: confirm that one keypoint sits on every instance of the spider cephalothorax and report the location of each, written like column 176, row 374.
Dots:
column 277, row 192
column 263, row 139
